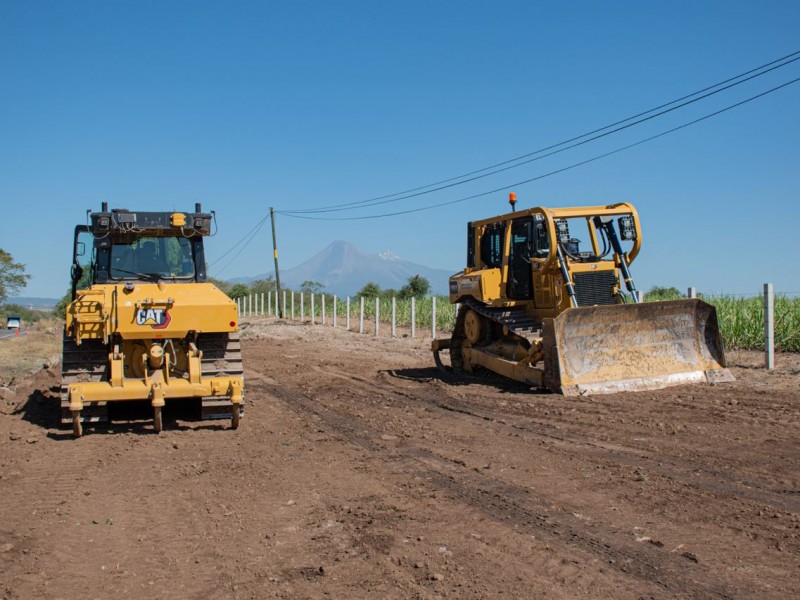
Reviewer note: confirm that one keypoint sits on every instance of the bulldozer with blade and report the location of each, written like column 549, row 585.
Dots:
column 144, row 324
column 537, row 307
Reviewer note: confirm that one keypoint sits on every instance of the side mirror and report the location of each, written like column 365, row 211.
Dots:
column 76, row 272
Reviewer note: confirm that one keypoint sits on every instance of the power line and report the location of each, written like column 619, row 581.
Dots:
column 246, row 239
column 235, row 256
column 555, row 172
column 473, row 175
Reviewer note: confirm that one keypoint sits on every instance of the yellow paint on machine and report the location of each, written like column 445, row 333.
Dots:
column 150, row 311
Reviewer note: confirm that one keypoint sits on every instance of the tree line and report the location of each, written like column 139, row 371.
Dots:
column 416, row 286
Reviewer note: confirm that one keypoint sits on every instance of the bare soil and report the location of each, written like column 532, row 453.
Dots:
column 360, row 471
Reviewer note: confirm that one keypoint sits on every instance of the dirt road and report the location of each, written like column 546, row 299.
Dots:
column 359, row 471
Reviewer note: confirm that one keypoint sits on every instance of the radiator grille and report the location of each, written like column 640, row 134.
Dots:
column 595, row 288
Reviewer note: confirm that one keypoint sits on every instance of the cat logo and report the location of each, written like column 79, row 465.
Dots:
column 157, row 318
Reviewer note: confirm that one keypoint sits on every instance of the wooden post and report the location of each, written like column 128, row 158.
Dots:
column 769, row 326
column 394, row 316
column 361, row 318
column 278, row 311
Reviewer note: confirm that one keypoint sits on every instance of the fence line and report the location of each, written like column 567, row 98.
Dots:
column 764, row 321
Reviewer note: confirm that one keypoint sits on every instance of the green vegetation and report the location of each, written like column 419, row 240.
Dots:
column 417, row 287
column 28, row 316
column 741, row 320
column 12, row 276
column 311, row 287
column 370, row 290
column 655, row 294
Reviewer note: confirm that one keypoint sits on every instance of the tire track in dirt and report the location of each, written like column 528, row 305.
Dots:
column 19, row 505
column 569, row 438
column 514, row 507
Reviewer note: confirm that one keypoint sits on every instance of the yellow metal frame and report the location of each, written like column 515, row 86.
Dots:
column 156, row 385
column 105, row 309
column 155, row 391
column 151, row 312
column 486, row 283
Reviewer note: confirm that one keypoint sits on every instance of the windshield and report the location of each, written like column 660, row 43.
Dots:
column 150, row 257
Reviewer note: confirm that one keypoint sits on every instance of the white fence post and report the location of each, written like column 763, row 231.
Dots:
column 239, row 307
column 394, row 315
column 413, row 315
column 284, row 304
column 433, row 317
column 262, row 304
column 269, row 303
column 293, row 305
column 769, row 326
column 361, row 318
column 377, row 314
column 312, row 308
column 347, row 314
column 691, row 292
column 250, row 305
column 302, row 307
column 322, row 302
column 334, row 310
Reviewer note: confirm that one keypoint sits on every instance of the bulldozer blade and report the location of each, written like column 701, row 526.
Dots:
column 632, row 347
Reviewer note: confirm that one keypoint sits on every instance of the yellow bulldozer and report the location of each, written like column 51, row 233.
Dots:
column 144, row 325
column 537, row 306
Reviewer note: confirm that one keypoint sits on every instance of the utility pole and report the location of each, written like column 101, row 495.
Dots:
column 275, row 254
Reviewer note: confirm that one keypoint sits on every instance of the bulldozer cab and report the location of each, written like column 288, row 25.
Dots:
column 144, row 324
column 164, row 257
column 552, row 259
column 121, row 246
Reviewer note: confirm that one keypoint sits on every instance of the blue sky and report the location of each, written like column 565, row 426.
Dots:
column 246, row 105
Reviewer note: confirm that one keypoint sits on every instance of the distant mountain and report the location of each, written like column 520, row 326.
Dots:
column 33, row 302
column 343, row 269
